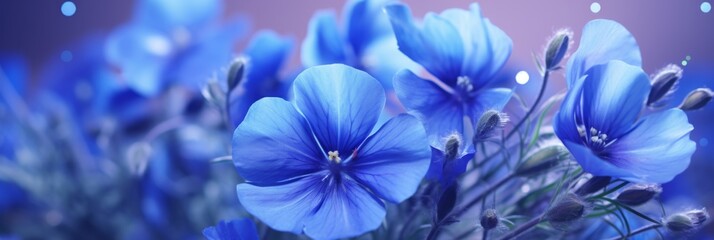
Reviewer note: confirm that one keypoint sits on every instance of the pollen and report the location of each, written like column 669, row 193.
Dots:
column 334, row 156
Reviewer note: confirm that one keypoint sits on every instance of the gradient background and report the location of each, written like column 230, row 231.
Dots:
column 667, row 32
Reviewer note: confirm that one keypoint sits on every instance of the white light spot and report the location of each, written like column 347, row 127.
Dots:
column 66, row 56
column 68, row 8
column 158, row 45
column 595, row 7
column 684, row 62
column 705, row 7
column 522, row 77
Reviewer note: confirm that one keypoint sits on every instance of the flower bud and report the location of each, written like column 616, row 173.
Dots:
column 557, row 48
column 489, row 219
column 663, row 84
column 541, row 160
column 213, row 93
column 451, row 148
column 487, row 123
column 567, row 209
column 687, row 221
column 593, row 185
column 697, row 99
column 638, row 194
column 236, row 73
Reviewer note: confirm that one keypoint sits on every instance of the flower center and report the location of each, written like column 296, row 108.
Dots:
column 595, row 139
column 465, row 84
column 334, row 156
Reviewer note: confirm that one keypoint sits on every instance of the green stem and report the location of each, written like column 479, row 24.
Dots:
column 533, row 107
column 484, row 193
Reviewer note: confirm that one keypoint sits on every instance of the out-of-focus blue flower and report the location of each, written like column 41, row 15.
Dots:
column 169, row 42
column 464, row 52
column 239, row 229
column 311, row 166
column 598, row 123
column 267, row 53
column 367, row 42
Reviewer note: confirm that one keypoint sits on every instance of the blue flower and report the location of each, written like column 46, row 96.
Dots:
column 311, row 167
column 463, row 52
column 169, row 42
column 367, row 43
column 598, row 123
column 239, row 229
column 266, row 54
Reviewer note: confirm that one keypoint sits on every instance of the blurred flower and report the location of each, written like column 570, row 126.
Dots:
column 169, row 42
column 365, row 42
column 266, row 54
column 239, row 229
column 463, row 52
column 598, row 123
column 311, row 167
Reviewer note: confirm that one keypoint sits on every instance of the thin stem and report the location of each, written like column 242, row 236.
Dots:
column 433, row 232
column 485, row 234
column 546, row 75
column 638, row 231
column 523, row 228
column 533, row 107
column 484, row 193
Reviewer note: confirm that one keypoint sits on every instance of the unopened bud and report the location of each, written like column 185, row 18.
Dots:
column 567, row 209
column 663, row 84
column 593, row 185
column 488, row 123
column 638, row 194
column 697, row 99
column 541, row 160
column 489, row 219
column 451, row 148
column 687, row 221
column 213, row 93
column 236, row 73
column 557, row 48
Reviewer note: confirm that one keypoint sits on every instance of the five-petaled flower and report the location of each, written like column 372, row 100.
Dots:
column 464, row 52
column 311, row 167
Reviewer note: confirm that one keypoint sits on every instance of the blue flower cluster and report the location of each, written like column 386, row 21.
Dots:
column 393, row 127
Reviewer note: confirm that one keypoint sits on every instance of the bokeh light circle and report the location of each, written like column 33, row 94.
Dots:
column 68, row 8
column 66, row 56
column 595, row 7
column 522, row 77
column 706, row 7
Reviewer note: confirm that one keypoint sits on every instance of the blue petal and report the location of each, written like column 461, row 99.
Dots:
column 239, row 229
column 272, row 122
column 486, row 47
column 613, row 95
column 393, row 161
column 323, row 43
column 322, row 209
column 140, row 53
column 207, row 55
column 347, row 210
column 267, row 53
column 447, row 173
column 437, row 110
column 382, row 59
column 592, row 163
column 366, row 22
column 567, row 119
column 437, row 45
column 657, row 149
column 602, row 41
column 341, row 103
column 168, row 14
column 489, row 99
